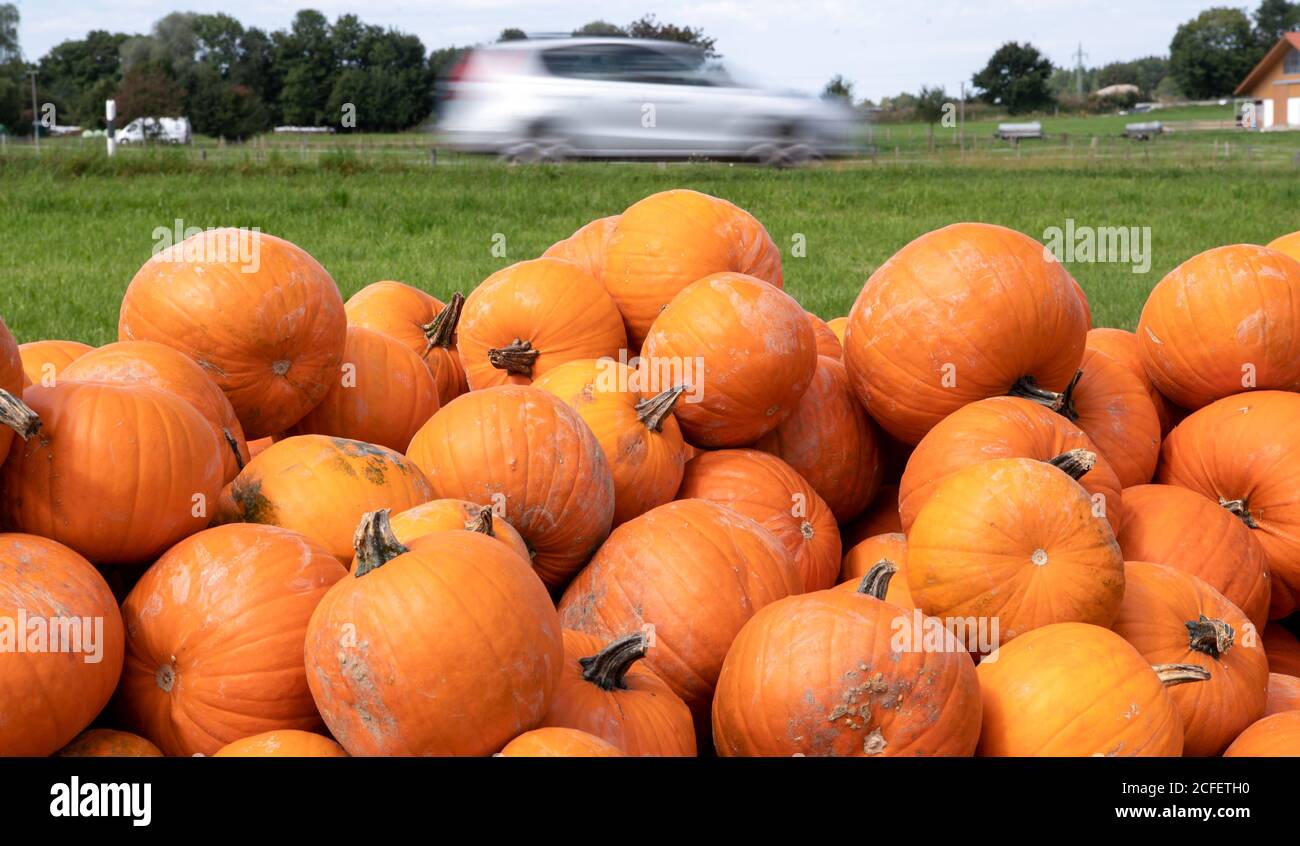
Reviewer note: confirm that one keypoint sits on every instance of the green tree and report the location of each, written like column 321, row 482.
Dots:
column 171, row 45
column 1273, row 19
column 1212, row 53
column 838, row 88
column 82, row 74
column 1016, row 78
column 931, row 104
column 649, row 27
column 9, row 47
column 306, row 56
column 1145, row 73
column 512, row 34
column 599, row 29
column 148, row 91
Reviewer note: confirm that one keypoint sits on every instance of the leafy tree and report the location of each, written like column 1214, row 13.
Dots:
column 1273, row 19
column 1016, row 78
column 9, row 47
column 649, row 27
column 172, row 46
column 1213, row 52
column 512, row 34
column 930, row 106
column 256, row 69
column 148, row 91
column 838, row 88
column 222, row 108
column 1145, row 73
column 218, row 40
column 599, row 29
column 81, row 75
column 306, row 53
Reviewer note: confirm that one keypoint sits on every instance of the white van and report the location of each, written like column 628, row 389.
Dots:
column 165, row 130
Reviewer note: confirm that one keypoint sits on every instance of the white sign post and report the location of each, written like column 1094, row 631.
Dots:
column 110, row 113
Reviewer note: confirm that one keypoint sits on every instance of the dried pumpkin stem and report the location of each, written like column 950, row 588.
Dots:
column 375, row 543
column 233, row 443
column 876, row 582
column 654, row 411
column 1210, row 637
column 17, row 415
column 1172, row 674
column 1061, row 402
column 516, row 359
column 607, row 669
column 1075, row 463
column 482, row 522
column 1239, row 509
column 441, row 331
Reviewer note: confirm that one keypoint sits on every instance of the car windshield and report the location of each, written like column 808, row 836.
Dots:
column 676, row 65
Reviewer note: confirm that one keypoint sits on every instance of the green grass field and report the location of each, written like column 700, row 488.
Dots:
column 75, row 230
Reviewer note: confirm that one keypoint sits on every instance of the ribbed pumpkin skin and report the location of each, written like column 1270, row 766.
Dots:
column 1180, row 528
column 694, row 570
column 1159, row 602
column 45, row 360
column 284, row 743
column 828, row 343
column 1217, row 313
column 149, row 363
column 321, row 486
column 1283, row 694
column 643, row 719
column 272, row 338
column 12, row 379
column 451, row 648
column 880, row 518
column 669, row 240
column 830, row 440
column 453, row 515
column 1115, row 411
column 1283, row 650
column 553, row 742
column 61, row 692
column 1073, row 690
column 859, row 560
column 818, row 674
column 107, row 743
column 382, row 395
column 1014, row 539
column 646, row 465
column 991, row 308
column 213, row 638
column 1275, row 736
column 1247, row 447
column 768, row 491
column 522, row 449
column 164, row 468
column 1124, row 347
column 754, row 345
column 405, row 313
column 586, row 247
column 554, row 305
column 1001, row 427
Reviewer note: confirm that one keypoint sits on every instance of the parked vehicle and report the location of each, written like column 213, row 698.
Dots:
column 547, row 99
column 164, row 130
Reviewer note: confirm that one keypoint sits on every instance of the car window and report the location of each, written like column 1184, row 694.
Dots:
column 628, row 63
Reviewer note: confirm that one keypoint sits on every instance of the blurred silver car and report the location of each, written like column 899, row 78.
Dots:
column 552, row 99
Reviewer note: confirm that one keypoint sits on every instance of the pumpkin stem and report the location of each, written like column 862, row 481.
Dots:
column 482, row 523
column 234, row 447
column 1075, row 462
column 1240, row 510
column 876, row 582
column 654, row 411
column 17, row 415
column 1062, row 403
column 1172, row 674
column 516, row 359
column 607, row 669
column 441, row 331
column 375, row 542
column 1211, row 637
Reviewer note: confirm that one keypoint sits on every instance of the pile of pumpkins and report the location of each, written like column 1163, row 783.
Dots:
column 629, row 498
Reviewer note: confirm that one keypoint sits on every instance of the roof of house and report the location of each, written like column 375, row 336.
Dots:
column 1290, row 40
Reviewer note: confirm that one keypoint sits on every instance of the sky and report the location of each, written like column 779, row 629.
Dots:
column 882, row 47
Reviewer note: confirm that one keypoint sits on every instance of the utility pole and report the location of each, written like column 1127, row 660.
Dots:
column 36, row 126
column 1079, row 56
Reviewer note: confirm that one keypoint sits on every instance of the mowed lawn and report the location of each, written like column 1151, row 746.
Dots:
column 69, row 244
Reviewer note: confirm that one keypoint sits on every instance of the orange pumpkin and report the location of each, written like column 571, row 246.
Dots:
column 766, row 489
column 321, row 486
column 1224, row 321
column 214, row 632
column 1124, row 347
column 1071, row 689
column 553, row 742
column 822, row 674
column 1275, row 736
column 149, row 363
column 119, row 472
column 1283, row 650
column 1173, row 618
column 837, row 325
column 1243, row 452
column 15, row 416
column 284, row 743
column 1289, row 244
column 695, row 571
column 880, row 518
column 1114, row 410
column 108, row 743
column 1169, row 525
column 1015, row 540
column 997, row 316
column 828, row 343
column 382, row 395
column 43, row 361
column 859, row 561
column 1001, row 427
column 830, row 440
column 668, row 240
column 418, row 321
column 640, row 437
column 49, row 593
column 719, row 338
column 447, row 647
column 532, row 317
column 586, row 247
column 606, row 691
column 454, row 515
column 528, row 455
column 256, row 312
column 1283, row 694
